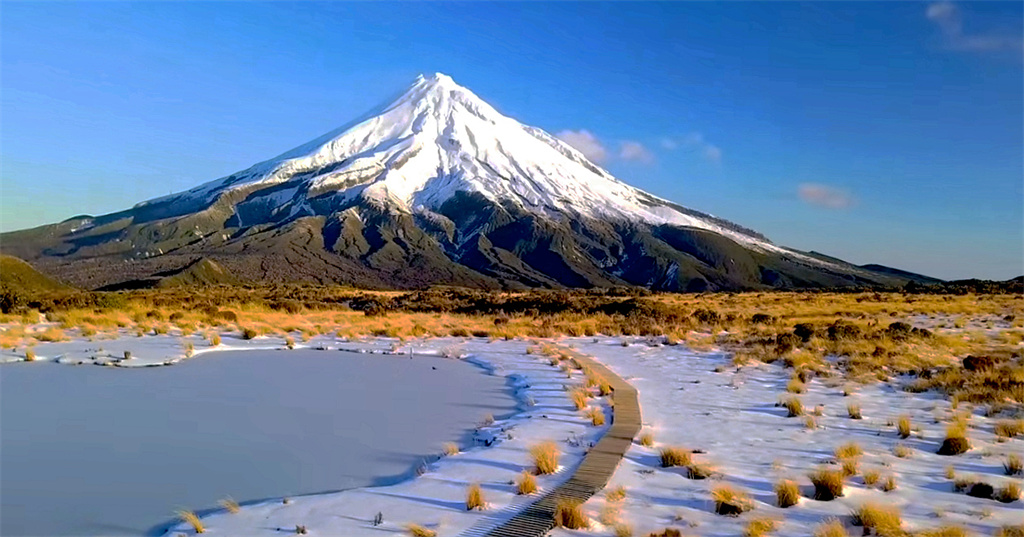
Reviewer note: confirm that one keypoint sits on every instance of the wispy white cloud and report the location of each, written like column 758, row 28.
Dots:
column 949, row 19
column 825, row 196
column 635, row 151
column 585, row 142
column 695, row 141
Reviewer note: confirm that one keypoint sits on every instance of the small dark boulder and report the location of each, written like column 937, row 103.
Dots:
column 981, row 490
column 954, row 445
column 979, row 363
column 804, row 331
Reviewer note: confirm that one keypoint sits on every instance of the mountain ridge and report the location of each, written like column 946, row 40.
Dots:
column 436, row 189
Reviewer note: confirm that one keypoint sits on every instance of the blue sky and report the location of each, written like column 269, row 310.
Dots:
column 886, row 132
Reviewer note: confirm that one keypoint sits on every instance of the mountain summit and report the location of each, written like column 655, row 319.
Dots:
column 436, row 188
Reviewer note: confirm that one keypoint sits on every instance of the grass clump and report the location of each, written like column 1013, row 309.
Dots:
column 647, row 440
column 579, row 396
column 697, row 470
column 948, row 530
column 950, row 472
column 249, row 333
column 622, row 530
column 616, row 494
column 795, row 386
column 828, row 484
column 569, row 514
column 903, row 426
column 30, row 355
column 787, row 493
column 450, row 449
column 1009, row 428
column 849, row 450
column 853, row 410
column 596, row 416
column 956, row 441
column 871, row 477
column 902, row 451
column 1014, row 465
column 475, row 498
column 527, row 484
column 884, row 520
column 192, row 519
column 415, row 530
column 674, row 456
column 759, row 527
column 1010, row 531
column 1008, row 493
column 793, row 406
column 831, row 528
column 730, row 501
column 230, row 505
column 545, row 458
column 214, row 339
column 889, row 484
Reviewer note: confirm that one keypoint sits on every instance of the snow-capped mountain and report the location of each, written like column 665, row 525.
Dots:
column 436, row 188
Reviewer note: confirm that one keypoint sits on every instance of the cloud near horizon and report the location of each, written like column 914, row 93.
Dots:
column 947, row 16
column 585, row 142
column 825, row 196
column 695, row 141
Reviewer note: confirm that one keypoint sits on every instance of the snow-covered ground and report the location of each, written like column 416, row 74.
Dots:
column 696, row 401
column 732, row 417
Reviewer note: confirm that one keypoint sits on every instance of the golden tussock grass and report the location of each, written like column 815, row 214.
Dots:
column 759, row 527
column 795, row 386
column 214, row 339
column 622, row 530
column 871, row 477
column 1009, row 428
column 604, row 388
column 569, row 514
column 787, row 493
column 950, row 472
column 730, row 501
column 475, row 497
column 831, row 528
column 889, row 484
column 526, row 484
column 1009, row 492
column 646, row 440
column 450, row 449
column 596, row 416
column 948, row 530
column 579, row 396
column 1009, row 531
column 416, row 530
column 902, row 451
column 1014, row 464
column 810, row 422
column 616, row 494
column 903, row 426
column 230, row 505
column 853, row 410
column 30, row 355
column 545, row 458
column 699, row 470
column 674, row 456
column 883, row 520
column 192, row 519
column 849, row 466
column 828, row 484
column 51, row 334
column 793, row 406
column 849, row 450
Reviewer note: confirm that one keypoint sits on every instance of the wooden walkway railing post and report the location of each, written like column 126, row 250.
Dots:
column 597, row 466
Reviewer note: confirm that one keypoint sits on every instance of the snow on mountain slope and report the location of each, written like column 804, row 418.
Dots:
column 438, row 139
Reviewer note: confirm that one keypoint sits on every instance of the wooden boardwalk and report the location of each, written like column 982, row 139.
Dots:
column 598, row 464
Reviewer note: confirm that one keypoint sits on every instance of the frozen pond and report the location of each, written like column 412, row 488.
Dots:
column 108, row 451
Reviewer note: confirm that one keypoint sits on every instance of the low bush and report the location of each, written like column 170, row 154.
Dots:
column 956, row 441
column 787, row 493
column 527, row 484
column 545, row 458
column 475, row 498
column 1008, row 493
column 569, row 514
column 730, row 501
column 673, row 456
column 828, row 484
